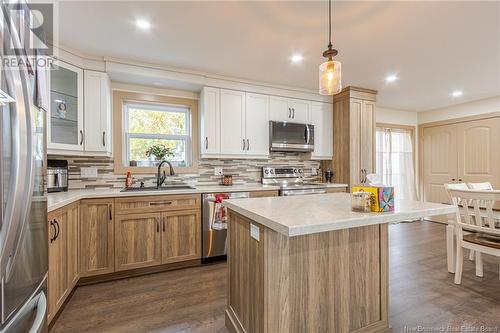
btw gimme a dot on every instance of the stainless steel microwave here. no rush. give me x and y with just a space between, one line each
285 136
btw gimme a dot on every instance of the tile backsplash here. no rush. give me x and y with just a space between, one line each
243 171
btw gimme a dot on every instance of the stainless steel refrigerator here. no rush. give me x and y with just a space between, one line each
23 229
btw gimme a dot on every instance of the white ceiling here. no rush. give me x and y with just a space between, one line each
434 47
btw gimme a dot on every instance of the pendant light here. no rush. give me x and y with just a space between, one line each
330 72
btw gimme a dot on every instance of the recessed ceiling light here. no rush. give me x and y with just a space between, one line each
296 58
391 78
457 93
143 24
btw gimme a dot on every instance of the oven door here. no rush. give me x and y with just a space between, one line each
287 193
285 136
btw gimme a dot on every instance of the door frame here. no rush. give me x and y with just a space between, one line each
421 128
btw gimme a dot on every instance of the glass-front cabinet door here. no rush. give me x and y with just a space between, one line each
65 119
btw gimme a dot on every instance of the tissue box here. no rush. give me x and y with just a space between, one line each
382 197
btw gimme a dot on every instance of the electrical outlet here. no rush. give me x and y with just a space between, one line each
88 172
218 171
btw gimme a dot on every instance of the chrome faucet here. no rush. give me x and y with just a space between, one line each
161 179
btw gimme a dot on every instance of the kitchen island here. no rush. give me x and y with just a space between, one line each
310 264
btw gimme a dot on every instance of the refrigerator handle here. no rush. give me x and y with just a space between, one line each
41 314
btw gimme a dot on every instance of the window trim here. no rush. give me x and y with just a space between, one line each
120 98
156 107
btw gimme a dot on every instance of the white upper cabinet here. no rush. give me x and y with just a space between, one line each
300 110
257 125
210 122
279 109
289 109
97 112
234 124
65 117
322 119
232 115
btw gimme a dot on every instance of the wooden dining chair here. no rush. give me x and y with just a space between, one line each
486 186
450 244
486 237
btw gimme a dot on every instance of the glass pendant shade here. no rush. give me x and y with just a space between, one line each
330 77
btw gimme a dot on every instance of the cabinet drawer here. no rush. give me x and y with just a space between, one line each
157 203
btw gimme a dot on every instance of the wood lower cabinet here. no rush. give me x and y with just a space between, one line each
262 194
137 241
336 190
63 255
97 237
181 236
154 230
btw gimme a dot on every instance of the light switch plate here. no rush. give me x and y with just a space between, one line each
255 232
218 171
90 172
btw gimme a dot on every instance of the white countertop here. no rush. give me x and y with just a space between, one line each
308 214
61 199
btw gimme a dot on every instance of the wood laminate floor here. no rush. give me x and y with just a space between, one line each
422 294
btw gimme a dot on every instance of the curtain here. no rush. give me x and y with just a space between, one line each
394 159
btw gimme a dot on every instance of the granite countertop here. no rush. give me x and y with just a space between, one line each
308 214
61 199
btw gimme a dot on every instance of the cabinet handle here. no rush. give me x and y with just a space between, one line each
104 139
293 114
53 238
459 179
158 203
453 179
56 224
243 144
110 213
81 137
163 222
248 144
158 224
206 142
289 113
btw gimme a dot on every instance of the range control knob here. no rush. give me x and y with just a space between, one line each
301 171
266 171
295 170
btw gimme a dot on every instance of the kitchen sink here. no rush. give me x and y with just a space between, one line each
154 188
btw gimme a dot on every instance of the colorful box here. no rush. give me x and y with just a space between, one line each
382 197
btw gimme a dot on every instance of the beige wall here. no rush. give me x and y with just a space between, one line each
488 105
395 117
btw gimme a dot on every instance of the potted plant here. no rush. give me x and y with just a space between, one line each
159 152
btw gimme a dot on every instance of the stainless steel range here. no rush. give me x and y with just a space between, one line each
290 180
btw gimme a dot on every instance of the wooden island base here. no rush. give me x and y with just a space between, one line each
333 281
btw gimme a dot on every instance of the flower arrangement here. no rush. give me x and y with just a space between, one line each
159 152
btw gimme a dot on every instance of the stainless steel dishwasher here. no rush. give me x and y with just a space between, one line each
214 228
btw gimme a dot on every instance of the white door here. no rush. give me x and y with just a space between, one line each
232 115
97 115
440 161
300 111
322 119
210 121
257 125
478 145
65 117
279 109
